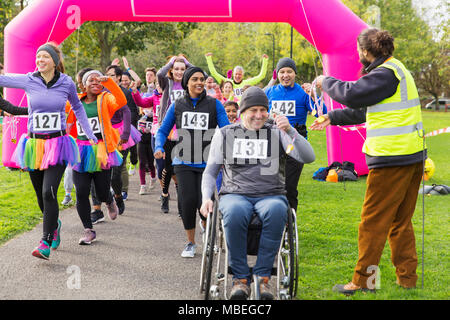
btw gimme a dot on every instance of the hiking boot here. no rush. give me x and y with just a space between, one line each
350 288
98 216
42 251
89 236
165 204
67 200
240 290
112 209
57 236
120 204
189 250
265 292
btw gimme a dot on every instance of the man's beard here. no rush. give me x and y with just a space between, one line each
365 64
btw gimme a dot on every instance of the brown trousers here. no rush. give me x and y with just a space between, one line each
387 211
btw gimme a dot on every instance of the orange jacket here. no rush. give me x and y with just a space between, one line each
107 104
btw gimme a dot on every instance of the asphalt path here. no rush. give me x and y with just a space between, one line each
135 257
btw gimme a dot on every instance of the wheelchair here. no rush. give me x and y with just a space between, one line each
216 275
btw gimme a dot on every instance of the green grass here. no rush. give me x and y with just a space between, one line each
19 210
328 224
328 219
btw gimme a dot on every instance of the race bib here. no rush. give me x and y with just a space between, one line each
46 121
284 107
250 148
238 92
195 120
157 109
94 122
175 94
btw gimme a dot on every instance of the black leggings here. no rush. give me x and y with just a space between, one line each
293 172
46 184
189 193
116 179
82 181
168 167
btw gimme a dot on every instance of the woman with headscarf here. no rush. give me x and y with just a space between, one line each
196 116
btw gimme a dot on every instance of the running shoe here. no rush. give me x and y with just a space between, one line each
165 204
97 216
132 170
120 204
143 190
67 200
112 209
42 251
57 236
124 195
152 183
189 250
89 236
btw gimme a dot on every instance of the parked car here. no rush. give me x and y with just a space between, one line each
443 102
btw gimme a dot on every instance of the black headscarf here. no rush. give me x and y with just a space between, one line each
188 74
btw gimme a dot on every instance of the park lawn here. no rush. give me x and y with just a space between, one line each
19 210
328 219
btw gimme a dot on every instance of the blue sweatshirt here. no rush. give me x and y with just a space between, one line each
169 122
301 98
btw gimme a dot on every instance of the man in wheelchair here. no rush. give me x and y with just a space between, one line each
252 154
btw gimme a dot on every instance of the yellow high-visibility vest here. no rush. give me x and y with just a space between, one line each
394 126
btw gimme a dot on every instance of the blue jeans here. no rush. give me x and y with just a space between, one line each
237 211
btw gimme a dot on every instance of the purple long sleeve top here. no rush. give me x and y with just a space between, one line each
42 99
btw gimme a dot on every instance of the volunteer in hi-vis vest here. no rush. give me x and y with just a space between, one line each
386 99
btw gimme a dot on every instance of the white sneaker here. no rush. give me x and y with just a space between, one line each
143 190
152 183
189 250
132 170
67 200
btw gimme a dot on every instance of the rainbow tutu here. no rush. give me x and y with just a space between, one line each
95 157
39 154
135 136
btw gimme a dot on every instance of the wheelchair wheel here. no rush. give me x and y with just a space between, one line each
208 257
287 261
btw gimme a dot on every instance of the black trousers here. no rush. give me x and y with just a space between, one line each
46 184
82 180
190 193
293 172
116 178
168 167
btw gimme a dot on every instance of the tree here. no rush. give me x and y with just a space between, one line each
103 39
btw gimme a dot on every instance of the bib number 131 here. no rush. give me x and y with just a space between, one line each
250 149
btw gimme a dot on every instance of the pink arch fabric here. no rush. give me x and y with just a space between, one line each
327 24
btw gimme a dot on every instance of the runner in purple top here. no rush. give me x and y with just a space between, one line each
46 149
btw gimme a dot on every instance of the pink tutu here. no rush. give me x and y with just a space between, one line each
135 135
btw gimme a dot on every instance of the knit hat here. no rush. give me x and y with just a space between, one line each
286 62
188 74
253 96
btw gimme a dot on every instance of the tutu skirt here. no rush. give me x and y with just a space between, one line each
39 154
135 136
95 158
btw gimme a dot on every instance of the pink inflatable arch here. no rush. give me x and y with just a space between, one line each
330 26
